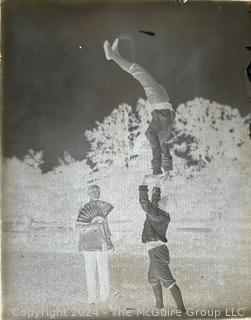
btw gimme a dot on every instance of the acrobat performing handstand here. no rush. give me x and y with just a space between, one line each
159 130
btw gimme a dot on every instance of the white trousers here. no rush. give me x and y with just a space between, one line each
96 263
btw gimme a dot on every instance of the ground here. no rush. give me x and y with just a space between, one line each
208 238
45 281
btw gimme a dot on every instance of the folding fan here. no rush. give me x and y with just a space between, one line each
93 209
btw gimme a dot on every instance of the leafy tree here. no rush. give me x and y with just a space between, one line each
66 160
203 131
111 142
206 131
34 159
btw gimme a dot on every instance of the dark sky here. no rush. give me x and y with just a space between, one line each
54 90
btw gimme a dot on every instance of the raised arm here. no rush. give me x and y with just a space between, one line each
152 210
144 201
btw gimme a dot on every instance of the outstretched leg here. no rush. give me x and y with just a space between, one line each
176 294
164 120
90 272
155 92
112 53
155 283
157 290
161 124
103 273
167 160
154 142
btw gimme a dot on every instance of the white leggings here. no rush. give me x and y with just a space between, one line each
97 260
154 91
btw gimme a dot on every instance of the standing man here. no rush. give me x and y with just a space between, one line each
94 243
159 130
154 236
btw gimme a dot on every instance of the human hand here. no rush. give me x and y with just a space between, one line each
78 227
144 181
98 219
157 183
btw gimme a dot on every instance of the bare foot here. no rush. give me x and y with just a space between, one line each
115 46
108 50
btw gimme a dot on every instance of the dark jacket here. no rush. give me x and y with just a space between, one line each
157 220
